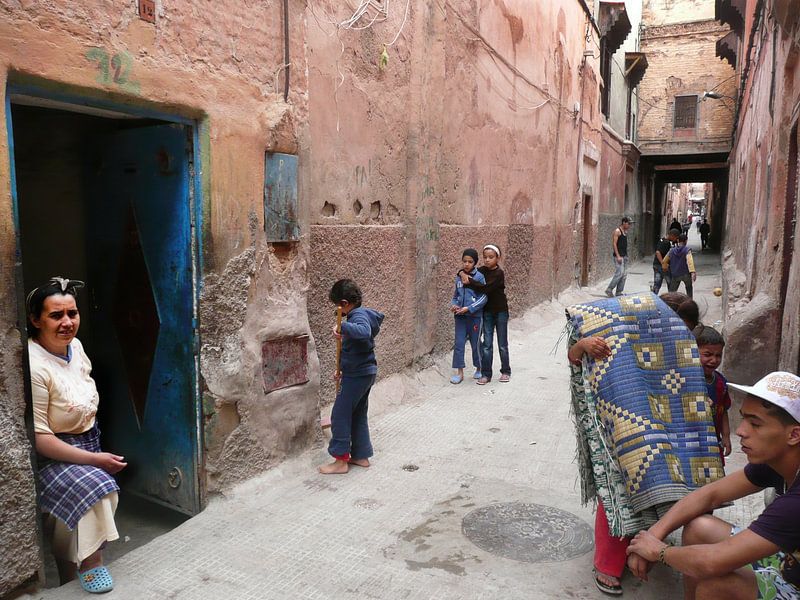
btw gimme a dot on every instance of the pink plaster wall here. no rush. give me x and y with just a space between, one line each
755 244
468 135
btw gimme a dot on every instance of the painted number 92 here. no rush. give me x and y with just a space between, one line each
114 70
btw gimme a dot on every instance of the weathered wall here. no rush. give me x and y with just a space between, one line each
210 63
682 61
758 244
670 12
436 154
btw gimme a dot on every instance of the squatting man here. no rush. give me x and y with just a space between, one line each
722 561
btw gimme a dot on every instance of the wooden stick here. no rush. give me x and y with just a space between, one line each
338 347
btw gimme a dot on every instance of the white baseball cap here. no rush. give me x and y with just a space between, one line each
780 388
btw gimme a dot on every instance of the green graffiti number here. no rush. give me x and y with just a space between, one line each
99 56
122 64
114 71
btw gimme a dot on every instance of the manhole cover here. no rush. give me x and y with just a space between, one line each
527 532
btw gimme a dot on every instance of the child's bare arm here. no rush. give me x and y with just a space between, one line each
594 346
726 434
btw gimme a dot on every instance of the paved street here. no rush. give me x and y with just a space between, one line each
395 531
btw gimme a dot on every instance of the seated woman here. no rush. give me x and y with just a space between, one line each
78 492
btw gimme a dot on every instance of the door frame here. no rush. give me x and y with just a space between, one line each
61 100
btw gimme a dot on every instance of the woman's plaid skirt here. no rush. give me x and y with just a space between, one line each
70 490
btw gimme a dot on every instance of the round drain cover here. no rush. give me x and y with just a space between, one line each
528 532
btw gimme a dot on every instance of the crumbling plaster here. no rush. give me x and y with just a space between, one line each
208 63
762 323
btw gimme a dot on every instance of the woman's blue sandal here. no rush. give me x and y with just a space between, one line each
96 581
456 379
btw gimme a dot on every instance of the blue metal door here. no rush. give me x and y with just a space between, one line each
142 311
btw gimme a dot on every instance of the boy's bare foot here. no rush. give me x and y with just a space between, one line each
360 462
337 467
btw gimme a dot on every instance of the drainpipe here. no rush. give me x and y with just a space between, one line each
285 50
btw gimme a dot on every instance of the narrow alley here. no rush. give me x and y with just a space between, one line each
445 455
223 223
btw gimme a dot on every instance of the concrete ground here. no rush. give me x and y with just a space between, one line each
395 530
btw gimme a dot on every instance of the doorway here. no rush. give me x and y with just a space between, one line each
587 235
107 197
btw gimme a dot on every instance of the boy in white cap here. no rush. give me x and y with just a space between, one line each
722 561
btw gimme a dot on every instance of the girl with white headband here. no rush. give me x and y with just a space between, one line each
495 314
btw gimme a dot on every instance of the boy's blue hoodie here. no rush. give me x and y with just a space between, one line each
678 264
358 342
472 299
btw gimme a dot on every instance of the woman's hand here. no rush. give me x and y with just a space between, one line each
111 463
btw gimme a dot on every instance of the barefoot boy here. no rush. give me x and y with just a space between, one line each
350 443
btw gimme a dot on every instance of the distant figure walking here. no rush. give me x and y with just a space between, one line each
705 230
680 265
619 245
675 225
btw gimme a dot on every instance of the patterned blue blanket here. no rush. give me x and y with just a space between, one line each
647 402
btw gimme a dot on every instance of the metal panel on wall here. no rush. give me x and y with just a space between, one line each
280 198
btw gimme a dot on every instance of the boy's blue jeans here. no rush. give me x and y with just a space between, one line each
467 327
492 321
349 426
659 277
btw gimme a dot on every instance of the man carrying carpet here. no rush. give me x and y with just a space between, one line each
723 561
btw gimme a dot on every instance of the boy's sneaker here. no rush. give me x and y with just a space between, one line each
477 375
505 378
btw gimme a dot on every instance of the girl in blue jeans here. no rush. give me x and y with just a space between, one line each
467 306
495 314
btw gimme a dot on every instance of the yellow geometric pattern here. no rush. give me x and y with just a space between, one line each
649 356
659 404
706 469
673 381
625 423
594 317
695 407
637 303
674 468
601 366
687 353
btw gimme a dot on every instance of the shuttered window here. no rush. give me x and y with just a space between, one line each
685 112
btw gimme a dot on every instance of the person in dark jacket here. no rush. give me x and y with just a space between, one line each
662 249
676 225
350 442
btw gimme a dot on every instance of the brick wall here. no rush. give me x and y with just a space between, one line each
682 61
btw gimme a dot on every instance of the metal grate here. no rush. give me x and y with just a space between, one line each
685 112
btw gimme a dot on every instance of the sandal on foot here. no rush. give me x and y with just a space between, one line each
477 375
456 379
483 381
96 581
505 378
611 590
